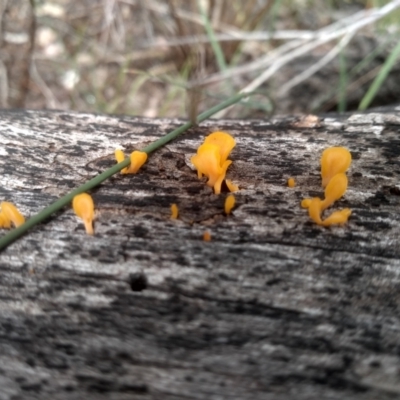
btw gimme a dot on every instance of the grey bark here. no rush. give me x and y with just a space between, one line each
273 307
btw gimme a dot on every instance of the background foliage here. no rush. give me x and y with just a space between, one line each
177 57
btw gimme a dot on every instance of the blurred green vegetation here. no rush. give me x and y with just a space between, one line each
171 59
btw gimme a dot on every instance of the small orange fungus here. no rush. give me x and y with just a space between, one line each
10 214
208 162
211 158
174 211
314 210
83 207
206 236
224 141
229 204
4 221
138 158
334 163
337 217
291 182
120 156
305 203
231 186
334 160
335 189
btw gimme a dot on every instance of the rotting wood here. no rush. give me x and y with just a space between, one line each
273 307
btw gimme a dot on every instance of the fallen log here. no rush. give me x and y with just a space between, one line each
273 307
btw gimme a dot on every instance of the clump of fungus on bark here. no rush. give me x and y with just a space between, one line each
212 161
138 158
334 163
10 215
83 207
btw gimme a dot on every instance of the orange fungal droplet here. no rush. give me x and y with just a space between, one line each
83 207
229 204
10 214
207 236
334 160
174 211
231 186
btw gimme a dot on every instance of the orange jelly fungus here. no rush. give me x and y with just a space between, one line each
305 203
229 204
314 210
206 236
10 214
291 182
83 207
231 186
138 158
120 156
208 162
337 217
4 221
335 189
334 160
211 158
224 141
174 211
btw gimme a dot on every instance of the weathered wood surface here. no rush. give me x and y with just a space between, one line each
274 307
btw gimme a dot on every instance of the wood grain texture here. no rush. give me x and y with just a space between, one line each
273 307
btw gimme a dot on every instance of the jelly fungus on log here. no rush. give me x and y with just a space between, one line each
334 160
10 214
138 158
291 182
229 204
211 158
174 211
83 207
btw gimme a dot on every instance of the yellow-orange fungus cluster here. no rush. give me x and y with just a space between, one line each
212 161
229 204
83 207
291 182
9 214
334 163
174 211
138 158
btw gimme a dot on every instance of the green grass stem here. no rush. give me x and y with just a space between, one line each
380 78
219 54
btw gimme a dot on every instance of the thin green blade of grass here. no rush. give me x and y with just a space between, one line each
331 96
16 233
275 8
219 54
380 78
376 52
